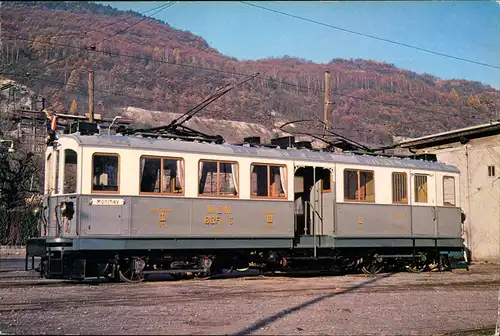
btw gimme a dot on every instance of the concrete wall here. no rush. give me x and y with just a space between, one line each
12 251
480 193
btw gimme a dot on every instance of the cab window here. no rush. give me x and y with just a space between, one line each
105 173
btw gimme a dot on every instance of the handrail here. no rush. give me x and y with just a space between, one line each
316 211
313 224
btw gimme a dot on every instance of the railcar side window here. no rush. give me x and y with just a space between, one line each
268 181
150 175
173 176
420 188
359 185
449 190
105 173
70 171
218 178
399 188
164 173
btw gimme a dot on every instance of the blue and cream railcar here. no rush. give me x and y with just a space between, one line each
127 206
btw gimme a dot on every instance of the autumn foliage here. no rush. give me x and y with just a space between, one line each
156 67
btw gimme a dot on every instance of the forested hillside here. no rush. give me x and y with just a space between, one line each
156 67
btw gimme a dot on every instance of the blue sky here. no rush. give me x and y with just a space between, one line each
466 29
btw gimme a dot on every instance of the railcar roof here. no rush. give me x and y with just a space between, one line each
118 141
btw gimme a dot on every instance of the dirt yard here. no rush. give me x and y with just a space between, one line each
458 303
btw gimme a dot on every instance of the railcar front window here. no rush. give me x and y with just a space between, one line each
58 187
449 190
268 181
359 185
218 178
421 188
105 172
70 171
48 176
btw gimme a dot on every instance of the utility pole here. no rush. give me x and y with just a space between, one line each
326 101
91 96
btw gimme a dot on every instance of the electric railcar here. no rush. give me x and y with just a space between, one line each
125 207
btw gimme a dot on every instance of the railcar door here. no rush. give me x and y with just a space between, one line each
314 201
325 200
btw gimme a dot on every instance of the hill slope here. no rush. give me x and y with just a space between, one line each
156 67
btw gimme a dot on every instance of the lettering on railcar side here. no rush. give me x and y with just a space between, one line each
219 209
218 214
107 201
162 220
161 210
269 218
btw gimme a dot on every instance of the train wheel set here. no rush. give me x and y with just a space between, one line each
138 267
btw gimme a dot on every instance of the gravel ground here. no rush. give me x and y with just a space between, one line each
395 304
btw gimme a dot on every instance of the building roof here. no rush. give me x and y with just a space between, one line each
459 135
180 146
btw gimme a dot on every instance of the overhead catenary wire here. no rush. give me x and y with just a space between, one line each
111 93
373 37
334 92
180 105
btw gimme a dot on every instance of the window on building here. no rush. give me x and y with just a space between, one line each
491 171
218 178
359 185
105 173
449 190
420 188
268 181
70 171
399 188
164 173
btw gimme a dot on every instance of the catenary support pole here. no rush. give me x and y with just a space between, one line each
91 96
327 101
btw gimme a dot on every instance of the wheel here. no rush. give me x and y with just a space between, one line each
131 271
418 265
374 266
372 269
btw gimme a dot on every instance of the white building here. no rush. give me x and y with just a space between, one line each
476 152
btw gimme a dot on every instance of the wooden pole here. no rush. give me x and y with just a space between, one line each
91 96
327 100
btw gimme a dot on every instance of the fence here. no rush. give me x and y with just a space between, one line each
18 224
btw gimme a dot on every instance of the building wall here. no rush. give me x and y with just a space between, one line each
480 193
